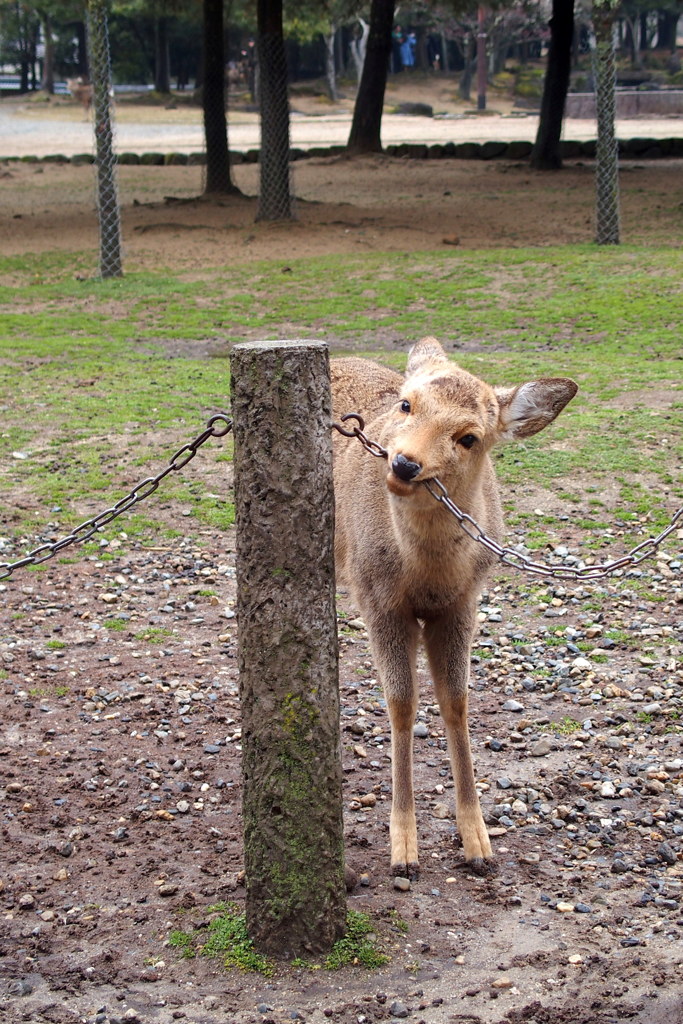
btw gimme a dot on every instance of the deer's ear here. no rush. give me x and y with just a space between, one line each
528 408
425 352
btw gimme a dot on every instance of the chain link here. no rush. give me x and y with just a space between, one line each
218 426
507 555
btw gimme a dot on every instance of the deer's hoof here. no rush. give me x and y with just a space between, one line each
481 866
410 871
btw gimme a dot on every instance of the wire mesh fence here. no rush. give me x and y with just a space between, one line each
108 209
607 146
275 199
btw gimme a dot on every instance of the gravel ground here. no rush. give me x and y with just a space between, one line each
120 798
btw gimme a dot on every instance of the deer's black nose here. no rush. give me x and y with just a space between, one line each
404 468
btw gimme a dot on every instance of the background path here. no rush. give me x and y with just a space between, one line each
33 133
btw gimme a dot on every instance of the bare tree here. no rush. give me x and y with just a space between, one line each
218 178
274 196
545 155
365 135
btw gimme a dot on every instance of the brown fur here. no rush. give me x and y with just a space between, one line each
81 91
413 572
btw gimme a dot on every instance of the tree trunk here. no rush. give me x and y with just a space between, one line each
358 48
481 59
667 23
545 155
365 135
445 64
288 661
330 71
274 191
607 147
162 61
465 83
48 82
218 179
108 209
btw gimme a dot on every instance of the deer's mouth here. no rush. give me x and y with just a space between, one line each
402 488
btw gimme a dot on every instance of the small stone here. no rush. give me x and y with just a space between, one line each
608 790
502 983
368 800
513 705
565 908
350 878
582 908
402 884
20 987
26 902
667 854
575 959
620 867
441 811
168 889
359 751
541 749
399 1009
421 731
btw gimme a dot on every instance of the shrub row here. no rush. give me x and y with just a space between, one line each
646 149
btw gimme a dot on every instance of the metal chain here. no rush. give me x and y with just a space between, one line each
508 555
141 491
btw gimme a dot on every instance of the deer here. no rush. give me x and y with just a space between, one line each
82 92
413 573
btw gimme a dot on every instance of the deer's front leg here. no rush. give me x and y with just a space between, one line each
393 639
448 643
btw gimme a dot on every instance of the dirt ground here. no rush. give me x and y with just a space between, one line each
120 747
372 204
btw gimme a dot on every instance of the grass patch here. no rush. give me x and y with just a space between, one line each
226 937
358 947
154 634
565 727
96 404
117 625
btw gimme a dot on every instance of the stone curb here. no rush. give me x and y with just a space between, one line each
644 149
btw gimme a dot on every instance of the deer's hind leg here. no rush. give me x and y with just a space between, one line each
448 642
394 639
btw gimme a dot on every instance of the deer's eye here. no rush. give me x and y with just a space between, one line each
467 440
405 405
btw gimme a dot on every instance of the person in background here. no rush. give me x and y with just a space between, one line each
408 50
396 40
